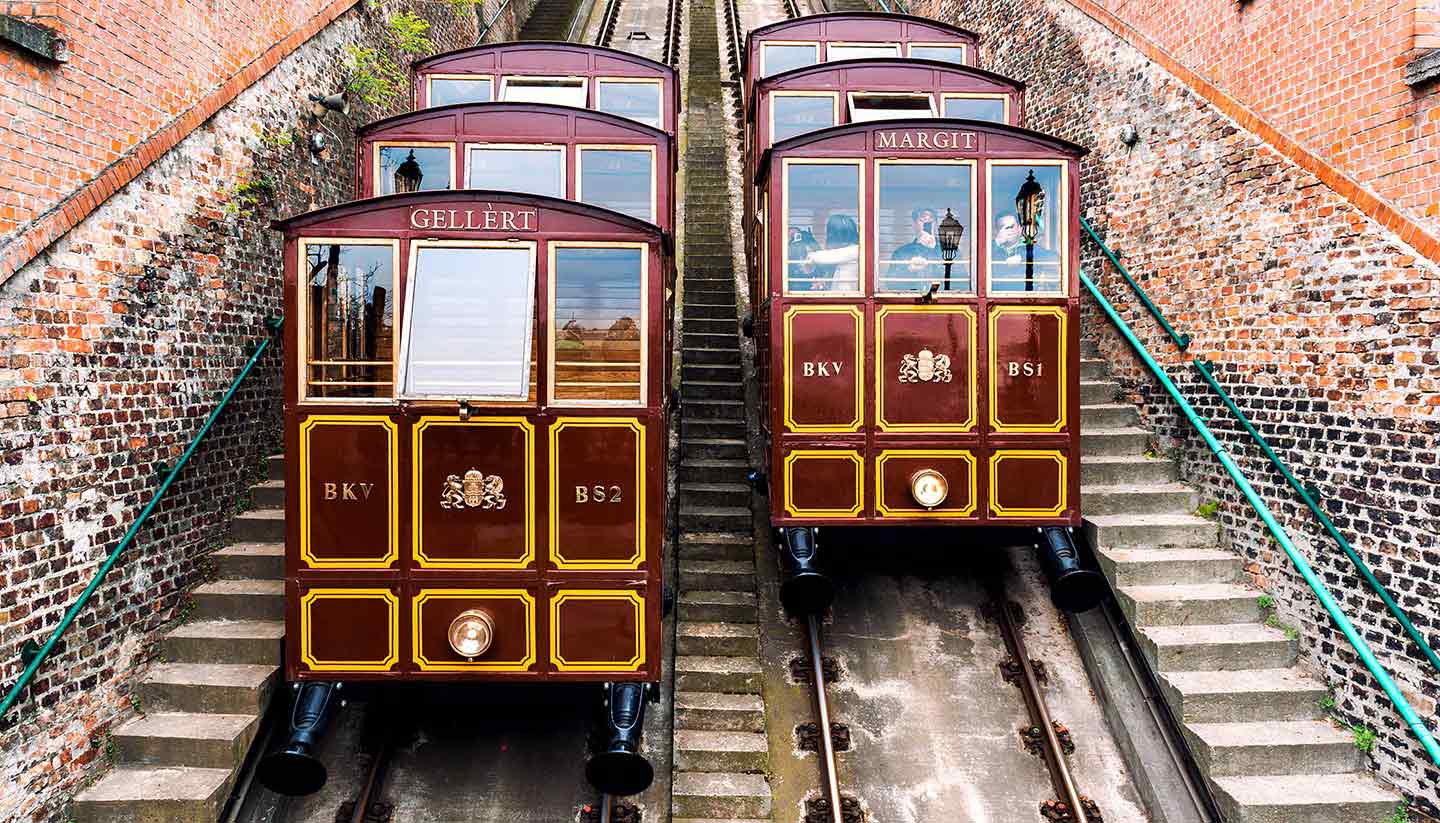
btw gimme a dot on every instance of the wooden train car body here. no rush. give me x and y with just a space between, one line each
881 362
557 151
475 409
567 74
827 38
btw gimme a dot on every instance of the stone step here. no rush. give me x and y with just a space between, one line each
268 495
710 325
730 373
697 355
706 428
723 607
728 675
717 546
1272 747
1167 498
717 576
1252 694
718 795
250 561
714 470
1150 531
1207 604
258 526
217 688
1094 368
706 340
207 741
1217 648
712 311
716 639
720 751
1311 798
729 495
154 795
714 518
1147 567
275 467
1130 468
712 390
1093 392
253 642
701 408
713 711
713 448
1114 442
1109 416
240 600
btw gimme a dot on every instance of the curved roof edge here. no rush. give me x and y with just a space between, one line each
528 44
840 15
613 119
877 62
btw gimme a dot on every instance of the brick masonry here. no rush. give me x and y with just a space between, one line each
1322 322
115 342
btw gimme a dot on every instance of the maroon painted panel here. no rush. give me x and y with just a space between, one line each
515 642
1028 368
823 369
896 467
822 483
347 493
596 629
471 507
1028 484
927 368
356 627
598 507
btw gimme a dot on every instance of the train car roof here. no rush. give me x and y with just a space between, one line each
780 25
499 108
442 58
769 82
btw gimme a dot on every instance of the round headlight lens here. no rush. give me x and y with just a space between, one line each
472 632
929 488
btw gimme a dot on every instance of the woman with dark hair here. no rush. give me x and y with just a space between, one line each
842 250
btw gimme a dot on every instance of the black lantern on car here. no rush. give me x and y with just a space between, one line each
408 175
1030 208
950 233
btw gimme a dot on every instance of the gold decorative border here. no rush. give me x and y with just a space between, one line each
418 544
635 661
393 514
970 377
965 454
638 558
1000 455
1062 421
315 665
427 665
851 455
854 425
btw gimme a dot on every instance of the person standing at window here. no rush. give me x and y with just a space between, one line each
842 250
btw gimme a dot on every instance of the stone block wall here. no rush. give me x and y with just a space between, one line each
1323 324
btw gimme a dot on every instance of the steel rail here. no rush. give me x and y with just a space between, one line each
609 18
374 778
822 705
1035 702
671 54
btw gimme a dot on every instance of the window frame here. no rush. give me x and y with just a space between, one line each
862 44
766 44
907 95
414 144
965 56
973 163
302 301
648 148
581 79
635 81
552 247
946 96
403 351
1064 235
862 226
776 95
560 148
430 88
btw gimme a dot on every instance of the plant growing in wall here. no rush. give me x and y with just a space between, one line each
375 75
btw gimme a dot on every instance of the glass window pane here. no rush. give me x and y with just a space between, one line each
945 54
413 168
599 349
350 331
822 223
554 90
1017 266
530 171
886 107
801 114
617 179
775 58
868 51
637 101
447 90
989 109
471 318
914 200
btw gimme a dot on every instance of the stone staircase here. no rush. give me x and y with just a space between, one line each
202 705
1252 718
549 20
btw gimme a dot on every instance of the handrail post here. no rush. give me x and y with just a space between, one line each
1182 341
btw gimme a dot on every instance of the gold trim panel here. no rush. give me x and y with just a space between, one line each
392 606
966 425
393 513
426 665
1000 455
527 559
1062 422
636 660
635 560
859 360
850 455
970 478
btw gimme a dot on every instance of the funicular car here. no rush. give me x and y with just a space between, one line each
828 38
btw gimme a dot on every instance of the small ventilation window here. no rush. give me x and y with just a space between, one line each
561 91
867 107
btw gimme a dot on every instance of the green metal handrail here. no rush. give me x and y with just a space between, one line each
490 24
1276 530
1181 340
34 656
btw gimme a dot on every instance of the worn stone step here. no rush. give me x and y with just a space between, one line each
217 688
207 741
154 795
1114 442
698 356
717 639
1304 798
713 711
714 409
240 600
730 373
710 325
717 546
1150 530
1109 416
253 642
728 675
250 561
713 607
714 470
1094 368
717 576
1273 747
713 448
714 518
269 494
712 390
712 428
699 750
1129 468
275 467
1167 498
710 340
1146 567
1225 647
727 495
258 526
1251 694
718 795
714 311
1207 604
1094 392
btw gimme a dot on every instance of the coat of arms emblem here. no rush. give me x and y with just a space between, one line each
925 367
475 489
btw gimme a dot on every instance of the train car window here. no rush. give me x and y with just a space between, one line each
912 199
793 113
622 179
778 57
468 321
941 52
561 91
1021 265
515 167
992 108
860 51
823 226
348 298
639 100
408 167
449 89
597 323
866 107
